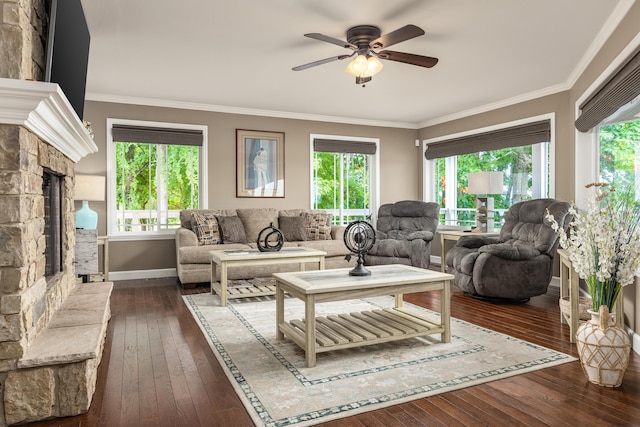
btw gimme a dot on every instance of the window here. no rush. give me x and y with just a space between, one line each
521 150
522 167
344 177
619 153
155 170
607 116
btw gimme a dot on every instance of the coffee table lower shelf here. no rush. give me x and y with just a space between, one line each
340 331
244 291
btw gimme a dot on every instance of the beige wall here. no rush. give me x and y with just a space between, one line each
563 105
399 166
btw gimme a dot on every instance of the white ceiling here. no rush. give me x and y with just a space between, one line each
236 55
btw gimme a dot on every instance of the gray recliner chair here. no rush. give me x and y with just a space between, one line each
519 264
404 231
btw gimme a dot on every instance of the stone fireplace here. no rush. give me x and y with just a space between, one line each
51 329
40 140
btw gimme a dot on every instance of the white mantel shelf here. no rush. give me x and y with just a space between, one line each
44 109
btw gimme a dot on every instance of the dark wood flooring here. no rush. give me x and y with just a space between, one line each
158 370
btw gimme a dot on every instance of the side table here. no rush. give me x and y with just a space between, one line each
104 241
455 235
86 253
569 282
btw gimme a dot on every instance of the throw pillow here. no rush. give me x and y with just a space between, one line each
256 219
318 226
206 228
294 228
232 229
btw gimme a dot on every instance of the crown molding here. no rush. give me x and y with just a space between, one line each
43 108
609 27
150 102
496 105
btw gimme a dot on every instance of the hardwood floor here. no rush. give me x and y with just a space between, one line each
158 370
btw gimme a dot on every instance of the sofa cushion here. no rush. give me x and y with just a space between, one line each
205 226
232 229
318 226
255 220
292 212
294 228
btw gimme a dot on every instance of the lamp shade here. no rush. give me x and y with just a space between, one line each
90 188
485 183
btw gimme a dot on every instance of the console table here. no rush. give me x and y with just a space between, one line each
569 282
104 242
86 253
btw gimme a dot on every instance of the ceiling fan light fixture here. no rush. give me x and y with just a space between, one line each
363 67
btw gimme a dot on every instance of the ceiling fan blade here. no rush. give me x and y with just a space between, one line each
320 62
401 34
408 58
323 38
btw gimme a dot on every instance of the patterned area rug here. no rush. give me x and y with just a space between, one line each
278 389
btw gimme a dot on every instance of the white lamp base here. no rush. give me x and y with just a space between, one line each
86 217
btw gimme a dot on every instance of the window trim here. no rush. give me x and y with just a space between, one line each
375 167
428 166
111 178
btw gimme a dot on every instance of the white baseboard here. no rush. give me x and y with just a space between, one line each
635 342
143 274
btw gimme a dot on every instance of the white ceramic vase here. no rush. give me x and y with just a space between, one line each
603 348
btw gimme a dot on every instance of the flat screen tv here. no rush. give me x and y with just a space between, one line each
68 50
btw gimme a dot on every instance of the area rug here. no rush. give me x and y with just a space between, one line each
278 389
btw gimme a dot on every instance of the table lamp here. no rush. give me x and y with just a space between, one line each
88 188
485 183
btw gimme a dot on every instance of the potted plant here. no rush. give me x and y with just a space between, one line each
603 245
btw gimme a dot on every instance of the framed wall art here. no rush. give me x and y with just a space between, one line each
259 163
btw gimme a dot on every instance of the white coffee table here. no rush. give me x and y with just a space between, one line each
316 335
224 259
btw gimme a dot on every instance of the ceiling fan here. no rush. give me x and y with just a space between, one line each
365 40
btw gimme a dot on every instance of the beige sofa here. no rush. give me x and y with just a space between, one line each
204 230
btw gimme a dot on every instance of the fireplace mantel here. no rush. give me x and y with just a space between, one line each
44 109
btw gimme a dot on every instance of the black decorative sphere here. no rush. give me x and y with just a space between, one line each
270 239
359 237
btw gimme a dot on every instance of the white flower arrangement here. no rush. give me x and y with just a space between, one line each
603 244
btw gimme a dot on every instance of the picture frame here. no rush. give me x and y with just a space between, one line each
259 163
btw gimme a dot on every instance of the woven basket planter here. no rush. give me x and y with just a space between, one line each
603 348
584 305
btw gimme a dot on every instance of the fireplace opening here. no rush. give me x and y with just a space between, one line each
52 191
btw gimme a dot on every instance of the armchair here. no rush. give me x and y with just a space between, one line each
404 231
519 264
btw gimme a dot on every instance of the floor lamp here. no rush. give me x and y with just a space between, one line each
89 188
484 184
